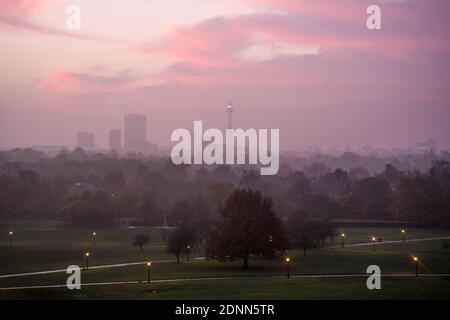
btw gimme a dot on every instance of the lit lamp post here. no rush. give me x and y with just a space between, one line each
87 254
188 249
416 263
288 269
373 241
11 235
343 237
403 235
149 265
93 237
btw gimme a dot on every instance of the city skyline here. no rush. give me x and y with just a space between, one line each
311 69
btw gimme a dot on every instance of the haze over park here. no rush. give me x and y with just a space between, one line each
245 150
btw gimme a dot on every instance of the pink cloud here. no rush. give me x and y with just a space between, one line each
96 80
209 43
210 47
20 15
23 7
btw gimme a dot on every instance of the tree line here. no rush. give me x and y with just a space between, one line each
104 190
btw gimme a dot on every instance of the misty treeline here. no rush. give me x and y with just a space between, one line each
98 189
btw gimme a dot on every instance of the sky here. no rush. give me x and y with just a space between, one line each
310 68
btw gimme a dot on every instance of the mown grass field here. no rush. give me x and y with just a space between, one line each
52 245
253 289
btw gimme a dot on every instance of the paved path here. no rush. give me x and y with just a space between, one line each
90 268
387 242
202 258
356 275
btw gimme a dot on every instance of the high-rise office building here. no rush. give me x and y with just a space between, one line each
115 139
86 140
135 132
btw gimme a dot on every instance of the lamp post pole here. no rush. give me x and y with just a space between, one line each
11 234
149 265
288 269
416 264
87 260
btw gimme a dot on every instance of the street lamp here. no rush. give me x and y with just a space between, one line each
343 237
93 237
288 270
11 235
188 248
403 235
416 263
87 254
373 245
149 265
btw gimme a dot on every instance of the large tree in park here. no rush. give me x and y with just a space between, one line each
424 197
182 240
306 233
247 226
411 201
372 197
141 240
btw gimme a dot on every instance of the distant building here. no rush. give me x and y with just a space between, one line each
135 133
86 140
115 139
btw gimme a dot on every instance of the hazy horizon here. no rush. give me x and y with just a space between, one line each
310 68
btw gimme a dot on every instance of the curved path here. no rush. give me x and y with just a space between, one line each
91 268
202 258
356 275
387 242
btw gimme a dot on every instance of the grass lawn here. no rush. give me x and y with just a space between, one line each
265 288
52 245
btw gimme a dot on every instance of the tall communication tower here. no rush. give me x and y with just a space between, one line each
230 110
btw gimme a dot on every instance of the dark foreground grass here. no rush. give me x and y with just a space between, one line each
391 258
52 245
264 288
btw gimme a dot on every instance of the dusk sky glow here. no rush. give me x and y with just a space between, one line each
310 68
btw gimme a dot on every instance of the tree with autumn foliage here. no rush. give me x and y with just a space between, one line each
247 226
